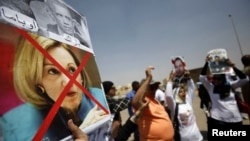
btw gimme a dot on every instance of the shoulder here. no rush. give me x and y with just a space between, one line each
131 92
21 122
159 92
24 110
247 70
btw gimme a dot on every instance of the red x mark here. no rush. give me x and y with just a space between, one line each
46 123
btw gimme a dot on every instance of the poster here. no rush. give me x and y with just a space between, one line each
218 61
178 65
47 76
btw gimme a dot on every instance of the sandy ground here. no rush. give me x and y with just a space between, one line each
200 118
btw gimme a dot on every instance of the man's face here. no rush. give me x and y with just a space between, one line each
179 68
63 19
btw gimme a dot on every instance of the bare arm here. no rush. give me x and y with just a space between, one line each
134 118
169 94
138 99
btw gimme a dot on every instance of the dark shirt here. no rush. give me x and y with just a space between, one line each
117 105
126 130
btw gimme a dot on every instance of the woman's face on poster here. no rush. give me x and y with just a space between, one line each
54 80
179 68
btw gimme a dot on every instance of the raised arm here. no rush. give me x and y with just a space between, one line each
243 79
169 94
138 99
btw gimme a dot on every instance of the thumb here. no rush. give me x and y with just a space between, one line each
77 132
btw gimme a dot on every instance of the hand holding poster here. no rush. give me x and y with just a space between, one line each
218 61
45 81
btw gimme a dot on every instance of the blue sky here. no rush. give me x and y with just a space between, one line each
129 35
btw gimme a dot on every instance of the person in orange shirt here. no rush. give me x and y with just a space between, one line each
154 118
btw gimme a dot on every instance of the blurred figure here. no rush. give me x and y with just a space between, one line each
205 101
224 110
115 107
130 95
124 132
184 119
154 123
245 89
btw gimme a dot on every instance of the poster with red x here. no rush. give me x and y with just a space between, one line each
48 74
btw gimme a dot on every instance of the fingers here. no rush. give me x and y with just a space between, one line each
149 70
101 112
95 108
77 132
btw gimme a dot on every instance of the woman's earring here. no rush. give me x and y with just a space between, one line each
40 89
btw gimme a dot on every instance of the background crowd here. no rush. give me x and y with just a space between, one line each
175 114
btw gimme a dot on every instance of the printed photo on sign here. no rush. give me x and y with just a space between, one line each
45 83
18 13
50 18
179 65
217 61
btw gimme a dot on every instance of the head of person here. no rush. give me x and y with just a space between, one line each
245 59
179 66
153 86
181 94
61 14
135 85
109 88
216 58
39 81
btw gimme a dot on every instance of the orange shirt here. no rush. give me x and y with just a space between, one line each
154 123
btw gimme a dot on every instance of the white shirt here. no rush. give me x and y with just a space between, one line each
189 130
160 96
224 109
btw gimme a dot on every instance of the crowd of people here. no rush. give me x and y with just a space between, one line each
179 123
154 114
151 109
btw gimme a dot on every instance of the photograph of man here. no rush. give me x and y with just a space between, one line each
56 18
66 24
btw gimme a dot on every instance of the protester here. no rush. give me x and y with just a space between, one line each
181 77
131 124
130 95
224 110
154 123
115 107
124 132
161 97
205 102
182 99
245 89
